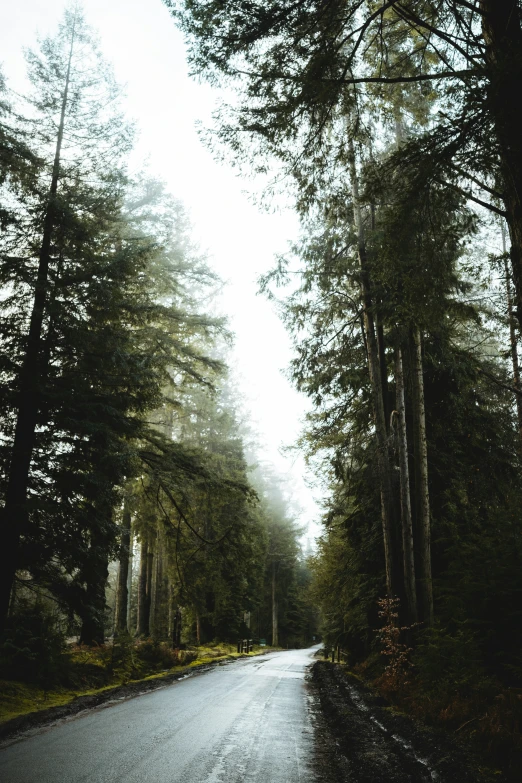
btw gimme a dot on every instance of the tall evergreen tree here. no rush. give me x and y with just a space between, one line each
77 136
295 65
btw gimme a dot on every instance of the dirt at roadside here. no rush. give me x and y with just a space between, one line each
360 740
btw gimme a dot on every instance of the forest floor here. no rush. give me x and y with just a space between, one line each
372 742
92 676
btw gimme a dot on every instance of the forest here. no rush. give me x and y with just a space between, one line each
135 505
392 127
135 509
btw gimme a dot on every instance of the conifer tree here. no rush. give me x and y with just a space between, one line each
77 136
294 66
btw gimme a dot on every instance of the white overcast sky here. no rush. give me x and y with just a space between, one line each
147 52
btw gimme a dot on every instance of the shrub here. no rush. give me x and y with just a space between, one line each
397 671
156 655
33 645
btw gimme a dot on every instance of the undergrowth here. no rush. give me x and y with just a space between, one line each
38 669
438 676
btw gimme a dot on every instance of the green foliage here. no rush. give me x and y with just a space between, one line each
122 333
449 661
33 646
347 581
301 622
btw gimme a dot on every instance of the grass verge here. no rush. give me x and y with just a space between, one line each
99 672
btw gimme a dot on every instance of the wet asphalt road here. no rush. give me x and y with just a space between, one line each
243 721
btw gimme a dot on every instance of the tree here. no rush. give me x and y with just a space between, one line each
17 160
218 539
122 595
103 270
133 345
296 64
70 118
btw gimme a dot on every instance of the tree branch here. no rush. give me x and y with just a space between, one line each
500 383
471 197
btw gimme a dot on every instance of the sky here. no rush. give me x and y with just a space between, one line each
147 52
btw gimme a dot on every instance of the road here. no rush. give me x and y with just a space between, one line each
243 721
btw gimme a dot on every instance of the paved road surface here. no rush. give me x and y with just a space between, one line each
243 721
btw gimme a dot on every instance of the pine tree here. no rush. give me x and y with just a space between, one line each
77 136
296 67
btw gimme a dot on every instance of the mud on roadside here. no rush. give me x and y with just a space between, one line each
361 741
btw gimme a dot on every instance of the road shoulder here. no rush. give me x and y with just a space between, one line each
368 742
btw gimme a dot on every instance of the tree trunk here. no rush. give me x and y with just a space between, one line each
407 525
374 368
148 598
154 584
13 519
275 628
513 336
421 443
143 621
96 573
381 348
502 33
129 580
176 629
158 613
122 595
170 609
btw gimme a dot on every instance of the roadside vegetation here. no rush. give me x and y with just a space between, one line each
33 685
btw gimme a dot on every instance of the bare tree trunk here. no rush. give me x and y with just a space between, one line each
374 369
176 628
512 334
407 525
143 624
275 628
502 32
424 527
170 611
154 588
148 597
160 620
13 518
129 579
198 629
381 348
122 594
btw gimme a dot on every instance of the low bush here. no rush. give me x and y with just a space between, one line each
33 647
